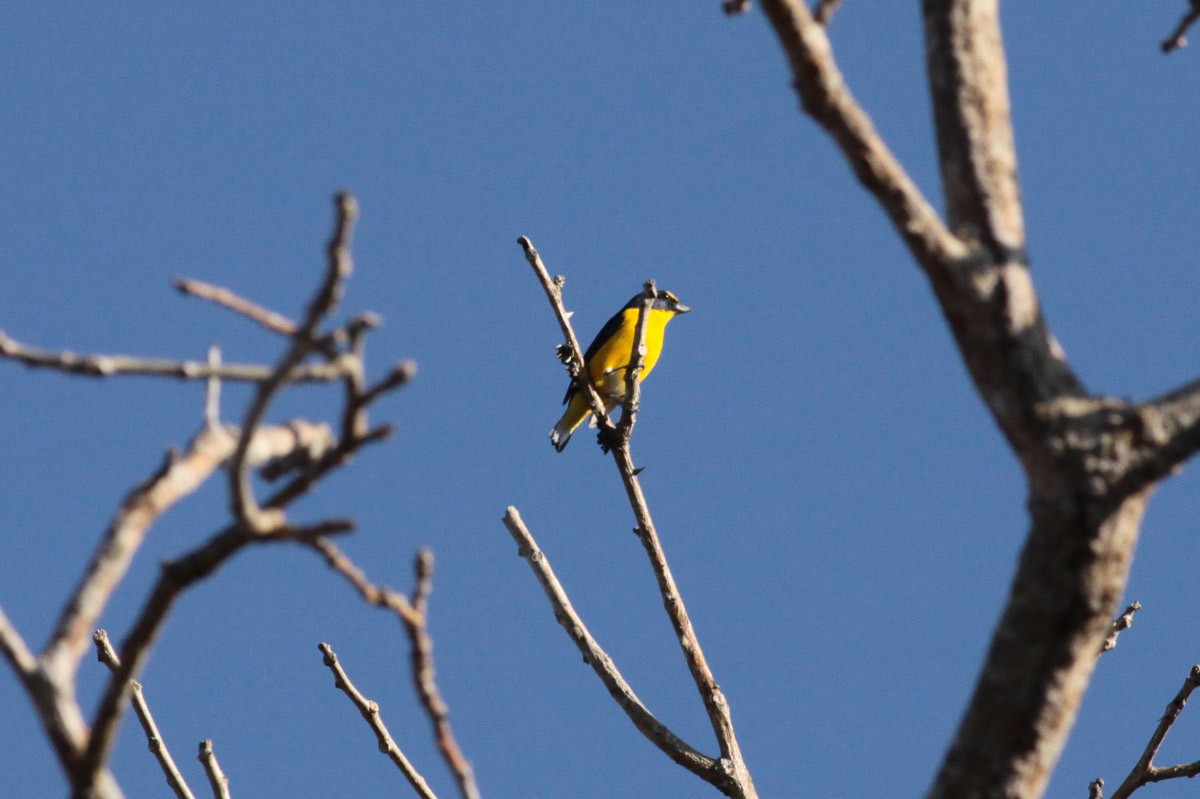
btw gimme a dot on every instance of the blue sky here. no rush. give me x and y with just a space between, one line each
840 512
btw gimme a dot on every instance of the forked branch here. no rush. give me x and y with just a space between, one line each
413 613
1144 771
594 655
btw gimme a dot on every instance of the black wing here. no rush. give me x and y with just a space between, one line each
608 331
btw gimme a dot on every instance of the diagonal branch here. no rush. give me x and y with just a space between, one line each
216 777
370 712
55 702
1120 625
219 295
1165 433
594 655
825 96
574 360
158 747
1178 37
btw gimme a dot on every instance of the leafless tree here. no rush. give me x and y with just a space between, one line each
1091 462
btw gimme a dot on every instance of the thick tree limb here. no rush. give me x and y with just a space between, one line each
158 747
735 776
594 655
370 713
1081 454
216 777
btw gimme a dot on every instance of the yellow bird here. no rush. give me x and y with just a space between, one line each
608 356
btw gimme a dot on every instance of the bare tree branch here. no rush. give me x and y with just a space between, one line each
1096 789
637 362
370 712
622 693
216 777
1144 770
14 649
425 677
1119 625
735 777
823 13
574 353
413 614
243 504
212 394
116 365
1077 450
825 97
178 477
55 702
158 747
272 321
253 523
1178 37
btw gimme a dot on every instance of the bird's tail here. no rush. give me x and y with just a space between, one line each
577 411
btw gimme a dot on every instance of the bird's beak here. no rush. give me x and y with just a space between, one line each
681 308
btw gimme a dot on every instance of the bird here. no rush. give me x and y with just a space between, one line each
607 357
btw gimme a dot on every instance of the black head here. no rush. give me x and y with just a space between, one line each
665 301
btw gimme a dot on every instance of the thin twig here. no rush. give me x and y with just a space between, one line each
216 777
244 506
158 747
212 396
413 614
1144 770
735 779
272 321
594 655
574 360
1178 37
424 678
636 363
122 365
823 13
1119 625
370 712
